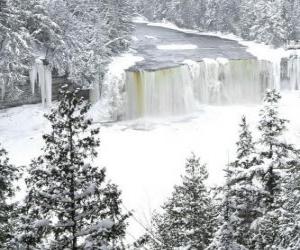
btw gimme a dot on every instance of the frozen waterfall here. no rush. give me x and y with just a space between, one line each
293 73
182 89
42 75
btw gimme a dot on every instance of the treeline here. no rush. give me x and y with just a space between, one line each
257 208
75 37
69 204
268 21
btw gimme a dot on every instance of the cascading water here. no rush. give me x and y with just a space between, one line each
163 92
293 73
181 89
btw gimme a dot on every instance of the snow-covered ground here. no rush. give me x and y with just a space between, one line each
146 157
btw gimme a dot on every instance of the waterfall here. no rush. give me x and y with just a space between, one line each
293 73
182 89
164 92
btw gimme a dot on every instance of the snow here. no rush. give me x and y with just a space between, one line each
151 37
112 91
169 25
146 157
177 47
139 19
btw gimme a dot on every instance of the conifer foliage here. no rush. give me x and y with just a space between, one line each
188 218
242 188
224 238
75 207
278 160
8 175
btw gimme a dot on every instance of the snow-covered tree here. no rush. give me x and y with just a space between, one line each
268 21
224 238
289 228
15 50
278 158
44 33
187 220
92 31
26 234
9 174
274 151
76 208
244 193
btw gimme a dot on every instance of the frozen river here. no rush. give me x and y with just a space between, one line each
162 47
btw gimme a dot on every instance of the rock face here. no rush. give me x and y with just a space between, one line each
23 94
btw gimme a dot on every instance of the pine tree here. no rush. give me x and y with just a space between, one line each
45 34
278 157
274 152
27 235
15 51
76 207
244 192
224 238
188 217
289 228
8 175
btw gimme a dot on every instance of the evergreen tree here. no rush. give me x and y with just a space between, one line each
274 151
278 157
27 235
15 50
76 208
244 192
224 238
8 175
289 228
188 218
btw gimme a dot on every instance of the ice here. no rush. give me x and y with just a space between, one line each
43 75
182 89
112 95
177 47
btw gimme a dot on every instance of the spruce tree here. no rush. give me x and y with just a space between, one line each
277 158
289 227
224 238
244 192
8 175
76 208
275 152
188 216
15 50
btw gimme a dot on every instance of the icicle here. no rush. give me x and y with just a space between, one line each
33 78
45 82
48 86
2 83
95 93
